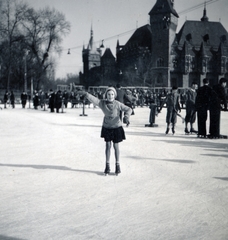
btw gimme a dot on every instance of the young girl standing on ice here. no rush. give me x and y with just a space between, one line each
112 130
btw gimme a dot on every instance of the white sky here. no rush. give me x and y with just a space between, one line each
112 18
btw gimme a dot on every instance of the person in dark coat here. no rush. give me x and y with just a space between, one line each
51 100
6 97
12 99
58 101
190 117
218 103
203 99
36 100
65 98
24 98
173 107
153 111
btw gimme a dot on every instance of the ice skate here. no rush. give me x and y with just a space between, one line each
186 131
173 130
192 130
107 169
167 131
117 169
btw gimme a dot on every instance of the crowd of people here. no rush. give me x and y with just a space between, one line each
197 102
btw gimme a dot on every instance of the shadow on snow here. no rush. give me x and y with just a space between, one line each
52 167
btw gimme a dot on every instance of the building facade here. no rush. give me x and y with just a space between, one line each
157 56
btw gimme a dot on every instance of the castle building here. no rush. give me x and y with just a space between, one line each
157 56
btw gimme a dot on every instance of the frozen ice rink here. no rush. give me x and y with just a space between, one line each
53 187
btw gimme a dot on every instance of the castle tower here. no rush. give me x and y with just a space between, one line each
91 57
163 21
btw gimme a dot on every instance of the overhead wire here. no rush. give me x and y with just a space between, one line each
129 31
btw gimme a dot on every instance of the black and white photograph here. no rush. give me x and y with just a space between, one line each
113 120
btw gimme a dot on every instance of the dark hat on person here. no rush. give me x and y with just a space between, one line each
205 80
174 87
118 85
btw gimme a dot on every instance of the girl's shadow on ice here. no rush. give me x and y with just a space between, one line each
51 167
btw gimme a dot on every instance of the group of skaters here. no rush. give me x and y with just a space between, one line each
199 102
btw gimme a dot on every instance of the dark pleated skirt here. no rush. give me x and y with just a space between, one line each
113 134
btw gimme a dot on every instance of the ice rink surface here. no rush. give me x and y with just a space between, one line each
171 187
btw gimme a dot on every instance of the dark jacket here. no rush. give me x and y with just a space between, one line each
203 98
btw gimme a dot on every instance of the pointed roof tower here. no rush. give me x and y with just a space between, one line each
108 54
90 44
164 6
204 18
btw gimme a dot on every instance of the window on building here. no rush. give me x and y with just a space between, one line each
160 62
206 38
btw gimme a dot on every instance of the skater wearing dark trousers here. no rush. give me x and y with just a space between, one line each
65 98
36 100
112 130
190 117
173 107
58 101
202 104
51 101
12 99
218 102
24 98
6 97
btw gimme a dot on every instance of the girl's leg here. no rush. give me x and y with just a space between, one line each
117 155
107 154
117 152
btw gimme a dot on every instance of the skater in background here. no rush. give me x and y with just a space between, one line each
12 99
190 117
65 98
24 98
153 111
173 107
129 100
36 100
112 130
58 100
6 97
217 103
202 104
51 101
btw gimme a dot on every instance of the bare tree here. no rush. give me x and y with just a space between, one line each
12 13
44 31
